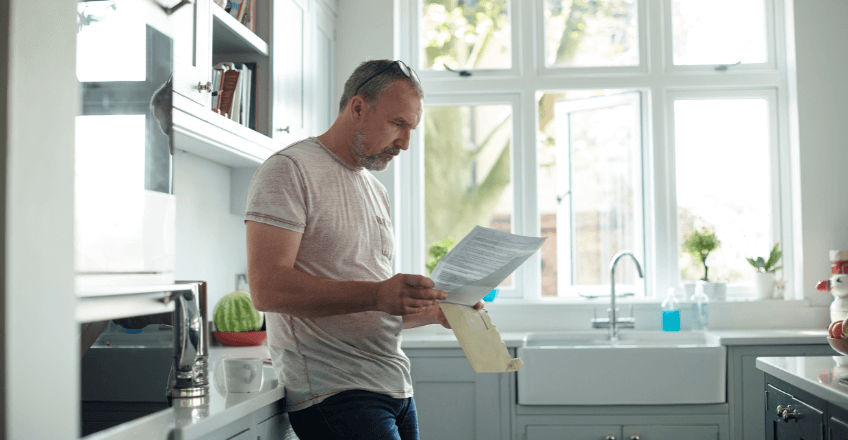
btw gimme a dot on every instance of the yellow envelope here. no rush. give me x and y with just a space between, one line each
480 340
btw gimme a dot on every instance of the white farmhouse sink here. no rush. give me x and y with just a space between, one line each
642 368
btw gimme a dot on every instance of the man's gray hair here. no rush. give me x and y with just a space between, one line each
373 90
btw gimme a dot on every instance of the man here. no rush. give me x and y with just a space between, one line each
320 249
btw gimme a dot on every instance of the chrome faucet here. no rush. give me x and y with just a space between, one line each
613 322
189 373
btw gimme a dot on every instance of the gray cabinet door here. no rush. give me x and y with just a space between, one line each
455 402
745 384
573 432
275 428
645 432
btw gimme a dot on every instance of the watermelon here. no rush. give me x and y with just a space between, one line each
235 313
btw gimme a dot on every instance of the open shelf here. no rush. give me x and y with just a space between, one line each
230 36
207 134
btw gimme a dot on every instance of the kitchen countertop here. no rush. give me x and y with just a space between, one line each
216 411
726 338
222 408
819 375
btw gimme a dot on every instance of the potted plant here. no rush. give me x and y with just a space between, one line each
699 243
764 277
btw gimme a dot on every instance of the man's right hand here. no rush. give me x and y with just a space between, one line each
406 294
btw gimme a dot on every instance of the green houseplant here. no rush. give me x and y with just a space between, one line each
699 243
768 266
764 277
437 251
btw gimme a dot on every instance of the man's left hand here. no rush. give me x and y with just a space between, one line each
440 315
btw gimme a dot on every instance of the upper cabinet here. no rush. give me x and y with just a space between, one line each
280 85
192 54
289 68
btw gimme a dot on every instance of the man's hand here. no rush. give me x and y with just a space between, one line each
407 294
443 320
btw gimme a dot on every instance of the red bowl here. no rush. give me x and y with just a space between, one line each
240 339
840 345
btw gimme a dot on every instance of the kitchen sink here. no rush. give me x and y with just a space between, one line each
641 368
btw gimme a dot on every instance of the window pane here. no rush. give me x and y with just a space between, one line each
719 31
467 171
590 190
724 183
465 34
591 33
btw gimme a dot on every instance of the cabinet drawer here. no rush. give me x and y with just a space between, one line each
573 432
807 422
671 432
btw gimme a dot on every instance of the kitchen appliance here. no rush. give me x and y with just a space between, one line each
125 210
140 365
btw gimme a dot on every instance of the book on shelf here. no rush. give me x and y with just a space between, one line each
234 94
229 82
249 17
235 8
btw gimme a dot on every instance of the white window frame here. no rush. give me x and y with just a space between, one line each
778 154
415 54
412 255
656 83
773 10
539 26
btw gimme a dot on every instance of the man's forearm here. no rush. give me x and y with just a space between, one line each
288 290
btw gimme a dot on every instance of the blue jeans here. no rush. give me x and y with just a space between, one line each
357 414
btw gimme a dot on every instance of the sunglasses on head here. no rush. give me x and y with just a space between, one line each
404 69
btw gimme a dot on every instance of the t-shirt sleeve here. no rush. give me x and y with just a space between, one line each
277 195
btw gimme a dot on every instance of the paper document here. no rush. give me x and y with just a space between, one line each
480 262
475 266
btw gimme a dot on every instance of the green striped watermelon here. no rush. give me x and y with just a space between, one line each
235 313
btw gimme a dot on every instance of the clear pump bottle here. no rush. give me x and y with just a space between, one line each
700 309
671 312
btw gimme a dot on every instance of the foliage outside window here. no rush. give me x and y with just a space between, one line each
466 34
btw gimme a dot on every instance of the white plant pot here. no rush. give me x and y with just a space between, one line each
716 292
764 283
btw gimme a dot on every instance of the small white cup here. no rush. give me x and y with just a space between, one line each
243 375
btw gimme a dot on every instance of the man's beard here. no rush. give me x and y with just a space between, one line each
374 162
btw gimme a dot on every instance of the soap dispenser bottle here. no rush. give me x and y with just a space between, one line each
671 312
700 309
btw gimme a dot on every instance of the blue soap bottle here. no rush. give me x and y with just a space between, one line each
671 312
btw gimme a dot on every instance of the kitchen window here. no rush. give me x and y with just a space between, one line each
620 125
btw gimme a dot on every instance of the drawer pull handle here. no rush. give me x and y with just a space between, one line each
201 87
635 437
787 416
610 437
284 129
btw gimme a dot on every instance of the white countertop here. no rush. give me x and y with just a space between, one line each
819 375
222 408
726 337
218 410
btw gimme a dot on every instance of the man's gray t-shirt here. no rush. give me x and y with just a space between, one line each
343 214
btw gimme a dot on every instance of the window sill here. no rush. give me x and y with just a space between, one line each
572 314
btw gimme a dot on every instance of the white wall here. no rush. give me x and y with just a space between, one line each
822 104
211 243
365 31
